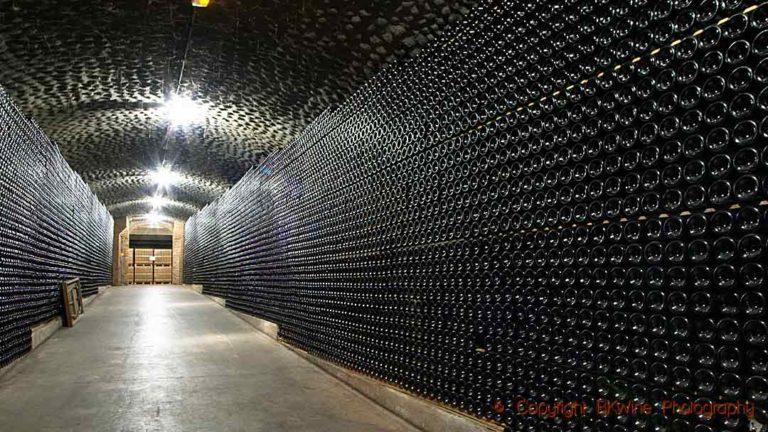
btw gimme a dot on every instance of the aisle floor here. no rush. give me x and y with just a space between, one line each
162 358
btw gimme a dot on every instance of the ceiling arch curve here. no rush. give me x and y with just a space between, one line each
171 208
96 75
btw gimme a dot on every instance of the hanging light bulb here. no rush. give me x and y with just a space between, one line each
183 111
164 177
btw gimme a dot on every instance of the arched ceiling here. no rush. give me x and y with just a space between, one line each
95 75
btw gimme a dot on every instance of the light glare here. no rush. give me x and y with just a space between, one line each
164 177
154 218
183 111
157 201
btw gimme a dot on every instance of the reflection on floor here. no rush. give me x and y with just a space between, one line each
164 358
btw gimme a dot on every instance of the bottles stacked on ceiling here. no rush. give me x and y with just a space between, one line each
556 201
52 228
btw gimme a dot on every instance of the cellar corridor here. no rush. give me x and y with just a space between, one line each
358 215
165 358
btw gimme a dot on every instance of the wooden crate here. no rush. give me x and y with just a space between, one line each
72 296
143 273
142 256
129 275
163 256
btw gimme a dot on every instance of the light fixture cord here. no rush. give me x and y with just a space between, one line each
187 45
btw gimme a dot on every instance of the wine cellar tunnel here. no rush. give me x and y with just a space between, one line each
437 215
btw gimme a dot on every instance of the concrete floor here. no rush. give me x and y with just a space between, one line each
155 358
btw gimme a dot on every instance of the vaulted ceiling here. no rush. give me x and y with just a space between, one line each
96 74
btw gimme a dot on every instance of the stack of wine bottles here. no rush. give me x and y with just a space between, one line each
52 228
557 200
